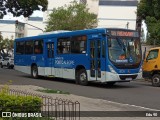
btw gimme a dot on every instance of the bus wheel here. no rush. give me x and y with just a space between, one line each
1 65
8 66
34 72
156 80
82 77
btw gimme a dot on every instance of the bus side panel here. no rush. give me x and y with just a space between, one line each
66 64
20 64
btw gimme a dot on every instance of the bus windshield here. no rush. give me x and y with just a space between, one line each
124 52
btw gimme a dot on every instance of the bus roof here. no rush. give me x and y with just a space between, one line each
62 33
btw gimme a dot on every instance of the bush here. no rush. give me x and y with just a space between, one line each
13 103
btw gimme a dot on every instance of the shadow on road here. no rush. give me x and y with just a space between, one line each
121 85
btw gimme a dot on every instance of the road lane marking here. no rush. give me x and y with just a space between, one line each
134 106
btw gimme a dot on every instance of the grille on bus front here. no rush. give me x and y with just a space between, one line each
123 77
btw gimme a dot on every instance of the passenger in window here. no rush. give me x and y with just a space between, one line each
65 50
37 50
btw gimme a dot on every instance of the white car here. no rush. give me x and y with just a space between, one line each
7 61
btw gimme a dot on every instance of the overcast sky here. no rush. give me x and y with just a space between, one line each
9 16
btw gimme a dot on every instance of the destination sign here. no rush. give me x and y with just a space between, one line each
124 33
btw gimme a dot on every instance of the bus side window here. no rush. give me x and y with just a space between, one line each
29 47
38 47
20 47
60 47
50 50
78 44
64 45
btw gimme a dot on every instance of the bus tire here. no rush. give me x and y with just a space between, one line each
1 65
77 78
82 77
156 80
34 72
8 65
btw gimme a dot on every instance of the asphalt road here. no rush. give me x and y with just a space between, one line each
137 93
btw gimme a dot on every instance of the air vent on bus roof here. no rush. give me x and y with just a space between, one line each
53 32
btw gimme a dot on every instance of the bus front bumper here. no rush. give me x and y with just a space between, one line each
122 77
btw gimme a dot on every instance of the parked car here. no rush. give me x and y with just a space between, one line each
8 62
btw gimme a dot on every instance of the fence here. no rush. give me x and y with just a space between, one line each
56 109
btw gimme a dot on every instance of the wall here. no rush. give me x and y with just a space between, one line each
7 28
117 13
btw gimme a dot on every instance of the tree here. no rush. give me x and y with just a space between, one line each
5 45
2 44
21 7
9 45
149 10
75 16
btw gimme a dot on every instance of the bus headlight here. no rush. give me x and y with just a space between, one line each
111 69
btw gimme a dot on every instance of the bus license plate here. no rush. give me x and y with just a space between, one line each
128 78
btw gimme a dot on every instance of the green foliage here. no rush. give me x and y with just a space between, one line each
22 7
6 44
52 91
13 103
149 10
72 17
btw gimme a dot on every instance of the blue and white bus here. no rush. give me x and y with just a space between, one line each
100 55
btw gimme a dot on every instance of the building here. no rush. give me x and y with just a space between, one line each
117 13
9 29
111 13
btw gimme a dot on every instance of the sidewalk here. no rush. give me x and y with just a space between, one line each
89 104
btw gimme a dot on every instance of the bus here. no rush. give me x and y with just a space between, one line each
106 55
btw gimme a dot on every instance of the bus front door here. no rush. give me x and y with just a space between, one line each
96 59
50 59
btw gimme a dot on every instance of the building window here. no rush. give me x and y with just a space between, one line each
83 1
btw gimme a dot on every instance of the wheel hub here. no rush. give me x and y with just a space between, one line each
83 77
34 73
156 80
